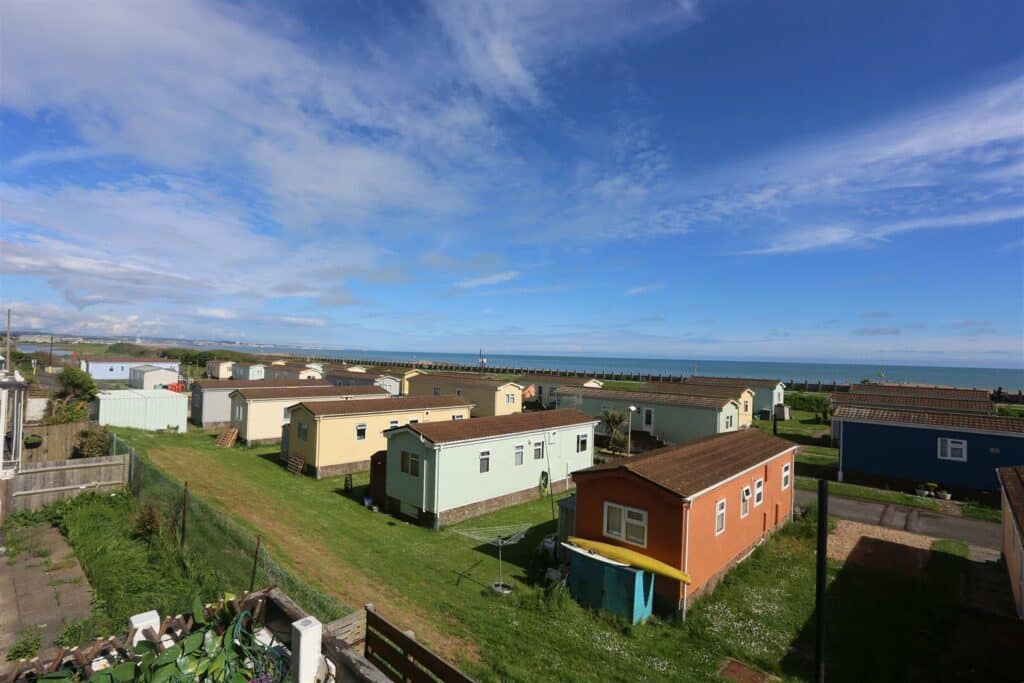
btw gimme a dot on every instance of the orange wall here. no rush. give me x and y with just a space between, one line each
708 553
664 519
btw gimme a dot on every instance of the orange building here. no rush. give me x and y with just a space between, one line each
700 506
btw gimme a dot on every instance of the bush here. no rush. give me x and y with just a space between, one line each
75 383
811 403
26 646
66 411
93 443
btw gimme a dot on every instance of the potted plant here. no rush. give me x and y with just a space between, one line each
945 495
33 441
921 490
931 487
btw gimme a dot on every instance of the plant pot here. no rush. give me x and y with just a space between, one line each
945 495
921 492
33 441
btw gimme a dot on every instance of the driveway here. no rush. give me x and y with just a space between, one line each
974 532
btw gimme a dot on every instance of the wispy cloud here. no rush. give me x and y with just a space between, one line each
642 289
877 331
487 280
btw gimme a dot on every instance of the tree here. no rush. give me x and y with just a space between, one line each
65 410
76 384
613 421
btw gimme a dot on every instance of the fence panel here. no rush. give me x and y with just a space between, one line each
59 441
41 483
401 658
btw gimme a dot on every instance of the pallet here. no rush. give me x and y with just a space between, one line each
296 463
228 437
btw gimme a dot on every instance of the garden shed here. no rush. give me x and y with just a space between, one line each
150 409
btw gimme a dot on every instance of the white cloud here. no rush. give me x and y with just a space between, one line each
217 313
642 289
811 238
486 280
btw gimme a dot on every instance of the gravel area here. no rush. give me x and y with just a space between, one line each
880 548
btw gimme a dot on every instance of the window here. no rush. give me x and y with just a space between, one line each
581 443
412 422
437 391
745 501
720 517
410 464
746 406
360 432
538 450
728 421
303 431
952 449
648 417
238 413
458 392
758 492
485 461
392 424
626 523
510 399
785 476
540 391
456 417
519 455
284 413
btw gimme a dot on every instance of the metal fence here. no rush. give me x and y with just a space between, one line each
214 544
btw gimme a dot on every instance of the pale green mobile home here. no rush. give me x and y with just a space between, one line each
671 418
443 472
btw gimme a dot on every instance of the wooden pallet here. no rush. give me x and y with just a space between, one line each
228 437
296 463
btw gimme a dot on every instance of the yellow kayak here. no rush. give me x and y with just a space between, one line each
632 558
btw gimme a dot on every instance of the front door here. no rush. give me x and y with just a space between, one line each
648 419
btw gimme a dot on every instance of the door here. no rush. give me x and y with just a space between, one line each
648 419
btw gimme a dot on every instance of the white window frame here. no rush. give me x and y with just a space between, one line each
746 406
407 461
945 449
728 421
519 454
758 492
456 417
361 425
584 440
720 515
286 416
786 471
510 399
619 534
745 495
485 462
392 424
538 455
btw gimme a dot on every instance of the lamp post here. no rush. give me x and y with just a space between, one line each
629 432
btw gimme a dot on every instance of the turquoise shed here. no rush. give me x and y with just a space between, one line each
600 584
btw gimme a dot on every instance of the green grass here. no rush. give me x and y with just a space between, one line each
950 547
977 511
869 493
622 385
435 583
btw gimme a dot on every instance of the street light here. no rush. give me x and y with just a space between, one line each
629 432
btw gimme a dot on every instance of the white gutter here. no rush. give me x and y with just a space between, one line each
741 473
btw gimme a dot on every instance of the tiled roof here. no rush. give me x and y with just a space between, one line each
751 382
255 393
982 423
447 431
920 390
553 379
459 378
148 368
264 383
1012 480
734 392
337 372
690 400
689 468
954 405
384 405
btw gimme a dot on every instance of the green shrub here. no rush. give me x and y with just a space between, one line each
93 442
26 646
806 401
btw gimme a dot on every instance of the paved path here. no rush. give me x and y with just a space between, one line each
974 532
43 587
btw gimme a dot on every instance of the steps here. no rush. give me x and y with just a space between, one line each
228 437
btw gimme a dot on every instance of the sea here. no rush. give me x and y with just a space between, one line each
1010 379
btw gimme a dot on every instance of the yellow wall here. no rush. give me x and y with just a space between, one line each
262 419
489 401
746 403
332 439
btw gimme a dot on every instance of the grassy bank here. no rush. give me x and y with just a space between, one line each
436 584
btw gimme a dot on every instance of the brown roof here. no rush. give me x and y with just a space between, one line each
687 469
686 389
953 405
384 405
983 423
265 383
254 393
1012 480
338 372
693 401
920 390
460 378
734 381
553 379
447 431
129 359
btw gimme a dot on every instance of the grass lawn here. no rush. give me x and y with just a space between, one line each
622 385
436 584
976 511
869 493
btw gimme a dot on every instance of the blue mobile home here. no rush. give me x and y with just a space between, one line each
121 368
955 450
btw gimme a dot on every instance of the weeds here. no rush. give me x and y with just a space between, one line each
26 646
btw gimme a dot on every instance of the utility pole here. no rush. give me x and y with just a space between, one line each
7 355
50 362
821 576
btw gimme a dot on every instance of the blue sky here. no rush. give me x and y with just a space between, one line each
742 180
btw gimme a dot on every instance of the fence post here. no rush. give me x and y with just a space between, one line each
184 514
255 561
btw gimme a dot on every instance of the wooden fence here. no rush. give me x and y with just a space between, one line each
59 442
401 658
39 484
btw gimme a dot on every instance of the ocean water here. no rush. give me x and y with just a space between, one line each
843 373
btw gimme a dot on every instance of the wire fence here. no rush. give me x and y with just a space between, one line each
219 552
